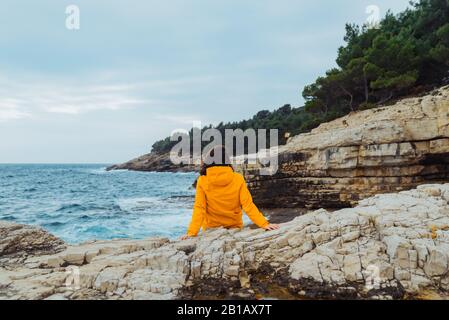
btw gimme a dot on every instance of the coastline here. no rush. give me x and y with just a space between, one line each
317 255
82 202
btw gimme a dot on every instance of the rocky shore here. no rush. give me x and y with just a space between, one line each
390 246
381 150
153 162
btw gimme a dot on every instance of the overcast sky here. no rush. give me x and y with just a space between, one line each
136 70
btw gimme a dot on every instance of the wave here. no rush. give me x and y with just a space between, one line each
189 196
88 206
139 204
69 206
97 171
54 224
79 203
8 217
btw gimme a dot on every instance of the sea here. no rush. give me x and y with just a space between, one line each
81 202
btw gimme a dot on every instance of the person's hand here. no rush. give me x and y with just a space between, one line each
271 227
185 237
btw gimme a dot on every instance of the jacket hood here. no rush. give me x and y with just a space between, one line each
219 176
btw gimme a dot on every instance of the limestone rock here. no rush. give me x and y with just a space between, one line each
159 162
18 238
381 150
389 246
437 263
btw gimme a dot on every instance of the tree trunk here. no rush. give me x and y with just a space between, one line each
387 98
350 96
365 80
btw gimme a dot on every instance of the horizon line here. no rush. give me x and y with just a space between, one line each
22 163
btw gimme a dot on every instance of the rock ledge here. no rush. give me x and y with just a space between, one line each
391 246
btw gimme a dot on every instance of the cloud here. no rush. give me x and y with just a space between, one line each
10 109
73 105
20 99
166 63
30 95
180 119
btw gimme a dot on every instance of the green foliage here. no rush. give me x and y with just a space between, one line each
376 65
285 119
441 51
367 105
407 50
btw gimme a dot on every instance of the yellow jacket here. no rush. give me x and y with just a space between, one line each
220 197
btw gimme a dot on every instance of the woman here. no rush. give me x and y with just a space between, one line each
221 194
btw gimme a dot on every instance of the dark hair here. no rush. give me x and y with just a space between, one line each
210 161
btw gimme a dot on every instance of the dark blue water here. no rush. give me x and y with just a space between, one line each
84 202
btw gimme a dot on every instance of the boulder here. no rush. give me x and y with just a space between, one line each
19 239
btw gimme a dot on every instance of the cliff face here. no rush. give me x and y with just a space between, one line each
374 151
389 246
381 150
